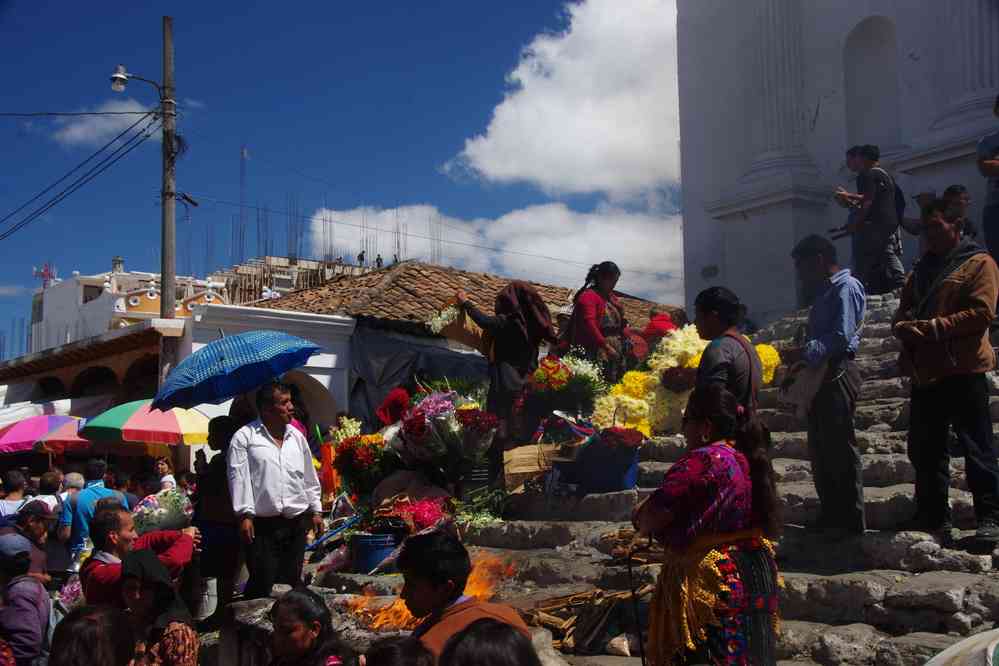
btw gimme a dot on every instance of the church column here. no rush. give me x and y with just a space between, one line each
973 38
780 140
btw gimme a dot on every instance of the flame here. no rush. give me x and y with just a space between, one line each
487 571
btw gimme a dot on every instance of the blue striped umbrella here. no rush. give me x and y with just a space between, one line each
232 365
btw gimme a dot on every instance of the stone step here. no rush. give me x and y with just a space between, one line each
894 601
785 445
527 534
885 508
805 550
802 549
873 337
875 389
609 507
879 312
887 413
890 412
814 642
880 470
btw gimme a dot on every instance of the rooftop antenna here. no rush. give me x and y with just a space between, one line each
46 274
209 248
244 154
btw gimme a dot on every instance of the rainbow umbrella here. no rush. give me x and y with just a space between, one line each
138 422
50 433
64 439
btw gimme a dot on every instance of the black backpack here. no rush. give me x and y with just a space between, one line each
899 196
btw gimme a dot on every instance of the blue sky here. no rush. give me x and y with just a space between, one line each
523 126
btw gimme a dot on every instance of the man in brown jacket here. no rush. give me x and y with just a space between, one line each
435 567
943 320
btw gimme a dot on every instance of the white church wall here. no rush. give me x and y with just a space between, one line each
713 93
730 220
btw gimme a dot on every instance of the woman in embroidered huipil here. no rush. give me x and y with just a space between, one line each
716 598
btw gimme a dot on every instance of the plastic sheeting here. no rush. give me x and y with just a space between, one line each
381 361
83 407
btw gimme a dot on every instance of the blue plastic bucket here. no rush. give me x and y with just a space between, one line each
368 550
601 469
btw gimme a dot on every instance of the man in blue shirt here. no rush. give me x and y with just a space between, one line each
74 523
833 337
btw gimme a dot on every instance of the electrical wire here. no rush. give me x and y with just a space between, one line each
128 146
61 114
478 246
74 169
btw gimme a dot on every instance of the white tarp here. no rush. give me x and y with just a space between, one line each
84 407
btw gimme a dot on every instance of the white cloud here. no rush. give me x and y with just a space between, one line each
7 290
647 246
98 130
192 103
590 109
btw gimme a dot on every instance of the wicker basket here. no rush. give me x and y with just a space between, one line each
527 462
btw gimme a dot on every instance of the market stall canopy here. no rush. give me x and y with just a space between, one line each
232 365
82 407
43 434
137 422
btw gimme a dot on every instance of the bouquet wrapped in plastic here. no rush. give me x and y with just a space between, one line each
166 510
446 432
569 384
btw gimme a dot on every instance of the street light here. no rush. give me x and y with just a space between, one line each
119 79
168 193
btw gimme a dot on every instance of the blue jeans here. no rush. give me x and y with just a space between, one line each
990 227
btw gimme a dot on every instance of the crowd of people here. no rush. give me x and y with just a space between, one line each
716 510
255 502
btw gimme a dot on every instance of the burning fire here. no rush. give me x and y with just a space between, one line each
487 572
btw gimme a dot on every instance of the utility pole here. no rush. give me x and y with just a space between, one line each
169 346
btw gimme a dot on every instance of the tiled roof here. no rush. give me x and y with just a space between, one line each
407 294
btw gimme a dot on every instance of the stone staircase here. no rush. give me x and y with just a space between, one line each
885 598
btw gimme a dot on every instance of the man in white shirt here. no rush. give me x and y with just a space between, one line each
275 492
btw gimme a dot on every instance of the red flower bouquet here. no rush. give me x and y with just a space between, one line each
415 428
362 462
476 421
418 515
621 438
394 407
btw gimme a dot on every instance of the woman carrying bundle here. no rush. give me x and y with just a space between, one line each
520 323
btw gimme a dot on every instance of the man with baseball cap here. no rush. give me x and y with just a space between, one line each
24 614
33 522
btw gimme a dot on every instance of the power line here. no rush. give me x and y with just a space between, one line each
38 114
131 144
478 246
73 170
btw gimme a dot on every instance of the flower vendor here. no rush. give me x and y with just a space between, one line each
660 323
729 359
597 324
716 597
520 324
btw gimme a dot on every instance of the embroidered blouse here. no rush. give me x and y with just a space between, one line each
708 491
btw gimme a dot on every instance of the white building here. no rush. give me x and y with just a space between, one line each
772 92
86 306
